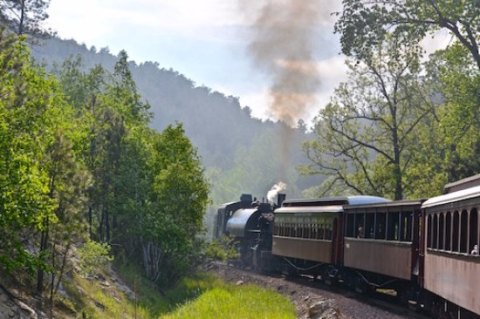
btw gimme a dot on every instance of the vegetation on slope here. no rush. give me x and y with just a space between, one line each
78 161
201 296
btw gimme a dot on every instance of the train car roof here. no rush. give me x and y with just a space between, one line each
309 209
464 194
334 201
388 205
462 184
327 204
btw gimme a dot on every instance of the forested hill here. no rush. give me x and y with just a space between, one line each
225 134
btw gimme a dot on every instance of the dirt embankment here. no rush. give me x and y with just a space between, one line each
314 301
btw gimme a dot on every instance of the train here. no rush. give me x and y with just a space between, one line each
424 251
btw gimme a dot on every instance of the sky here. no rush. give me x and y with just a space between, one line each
207 41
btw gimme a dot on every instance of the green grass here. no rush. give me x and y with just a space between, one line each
200 296
156 302
236 302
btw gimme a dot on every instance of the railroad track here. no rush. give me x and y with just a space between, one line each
354 305
303 289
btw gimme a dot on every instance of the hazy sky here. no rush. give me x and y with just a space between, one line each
204 40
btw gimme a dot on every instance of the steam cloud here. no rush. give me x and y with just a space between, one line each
273 192
282 46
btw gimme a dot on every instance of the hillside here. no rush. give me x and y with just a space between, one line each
225 133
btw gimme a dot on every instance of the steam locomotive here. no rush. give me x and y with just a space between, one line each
426 250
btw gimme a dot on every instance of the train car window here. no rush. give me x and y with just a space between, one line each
350 225
380 225
455 231
473 229
429 231
406 226
299 227
393 227
321 231
360 225
448 231
328 230
369 225
308 228
463 231
441 231
303 229
435 231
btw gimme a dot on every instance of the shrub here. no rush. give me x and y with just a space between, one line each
222 248
94 255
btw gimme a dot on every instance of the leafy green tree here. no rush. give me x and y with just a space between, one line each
364 24
365 135
179 197
134 190
28 107
148 194
448 146
68 183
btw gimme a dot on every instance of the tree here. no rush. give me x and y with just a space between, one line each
68 183
364 24
445 149
24 16
180 196
24 111
448 146
365 135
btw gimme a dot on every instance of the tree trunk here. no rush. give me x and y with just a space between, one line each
43 248
151 260
90 219
22 18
